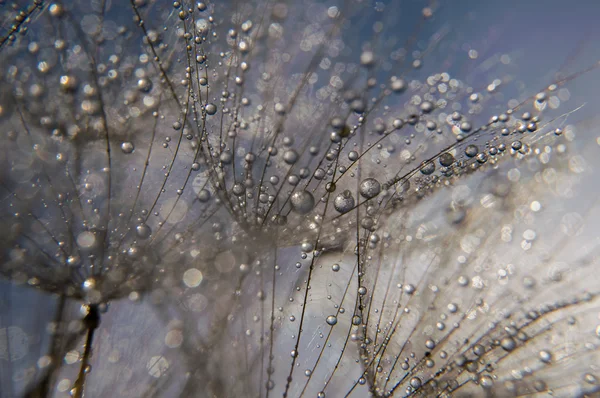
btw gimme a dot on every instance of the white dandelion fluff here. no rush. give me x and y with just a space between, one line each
298 199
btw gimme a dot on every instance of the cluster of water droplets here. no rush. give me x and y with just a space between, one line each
300 210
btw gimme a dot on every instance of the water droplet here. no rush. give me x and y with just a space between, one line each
446 159
508 343
486 381
398 85
127 147
545 356
369 188
210 109
143 231
86 239
415 382
89 284
290 156
344 202
238 189
204 195
367 58
428 168
302 202
144 85
192 277
471 150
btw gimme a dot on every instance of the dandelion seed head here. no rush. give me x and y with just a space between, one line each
365 194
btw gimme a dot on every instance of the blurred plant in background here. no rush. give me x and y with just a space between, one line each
302 198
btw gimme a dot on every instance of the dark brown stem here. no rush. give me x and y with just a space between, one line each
91 321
